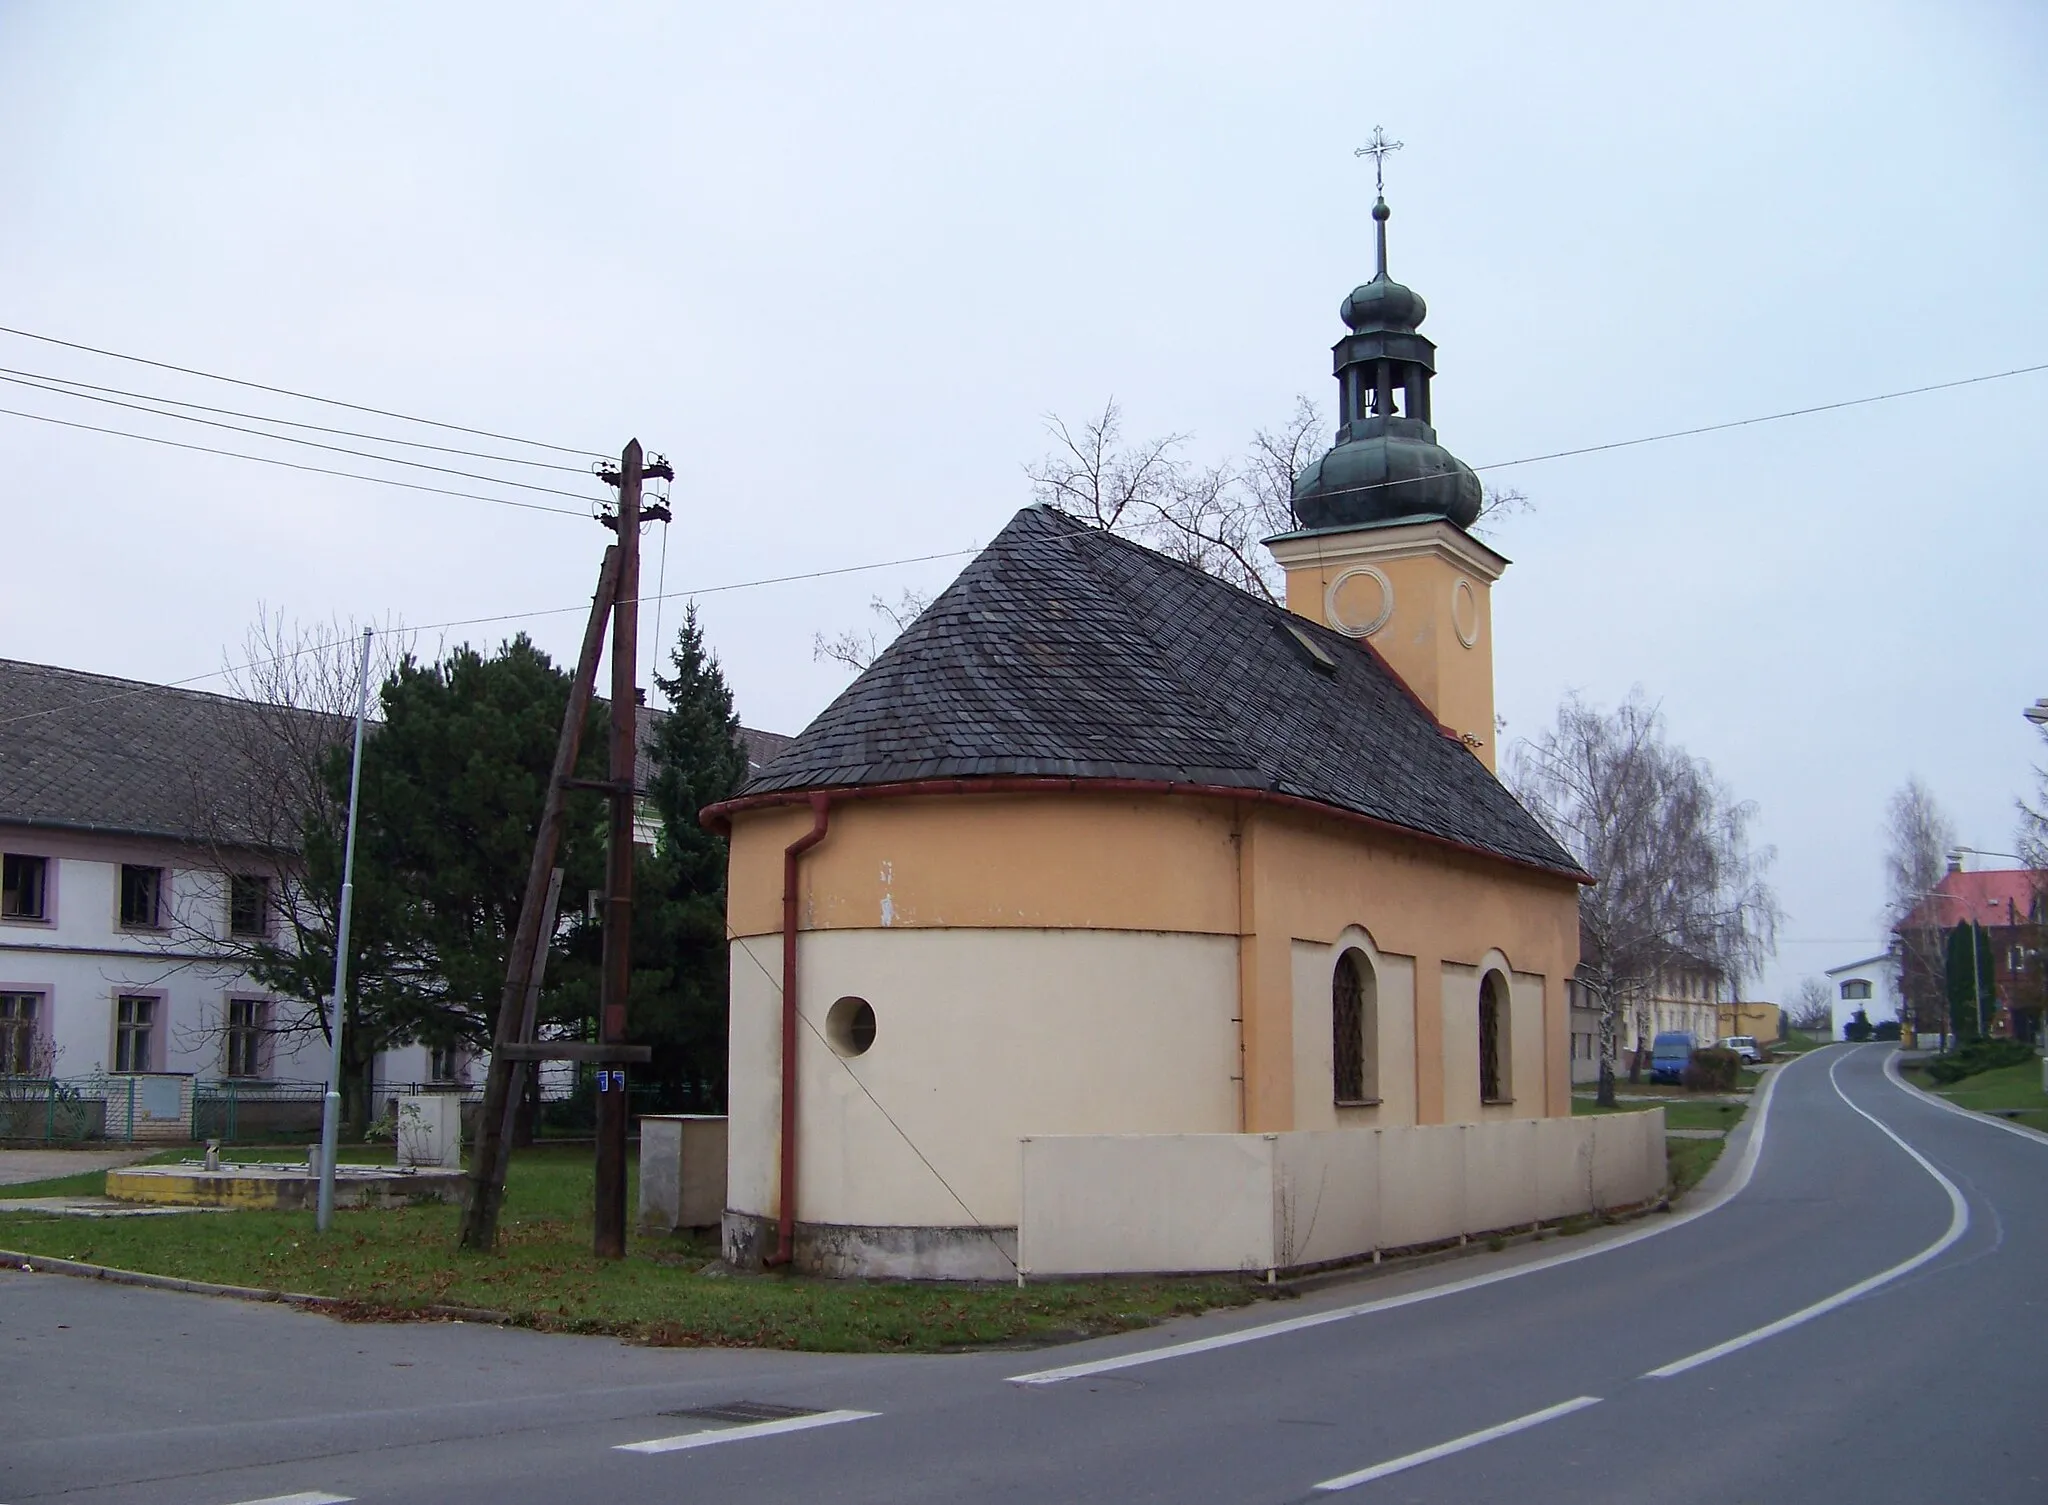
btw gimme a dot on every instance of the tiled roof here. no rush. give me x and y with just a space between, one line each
1993 896
1064 651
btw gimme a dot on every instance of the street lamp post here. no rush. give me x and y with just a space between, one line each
330 1107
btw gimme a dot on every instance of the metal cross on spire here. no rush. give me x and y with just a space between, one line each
1377 149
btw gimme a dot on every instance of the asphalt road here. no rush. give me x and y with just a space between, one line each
1864 1319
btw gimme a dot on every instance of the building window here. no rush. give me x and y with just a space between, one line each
247 1028
18 1034
1354 1031
1495 1066
24 887
1855 990
248 905
134 1031
444 1063
142 892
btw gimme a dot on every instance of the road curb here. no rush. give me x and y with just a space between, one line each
44 1264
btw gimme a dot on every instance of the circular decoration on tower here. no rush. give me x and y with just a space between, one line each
1365 621
1465 612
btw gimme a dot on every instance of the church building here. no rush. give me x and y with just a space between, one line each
1102 846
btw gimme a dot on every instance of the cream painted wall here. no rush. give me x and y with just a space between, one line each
1314 1041
983 1037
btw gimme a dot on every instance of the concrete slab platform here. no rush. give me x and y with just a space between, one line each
282 1188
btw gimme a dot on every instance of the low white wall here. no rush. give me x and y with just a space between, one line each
1128 1203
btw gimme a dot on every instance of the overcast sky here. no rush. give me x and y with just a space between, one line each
839 263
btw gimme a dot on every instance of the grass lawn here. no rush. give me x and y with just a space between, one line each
2007 1087
392 1264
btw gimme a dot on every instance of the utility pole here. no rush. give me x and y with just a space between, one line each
613 1118
618 602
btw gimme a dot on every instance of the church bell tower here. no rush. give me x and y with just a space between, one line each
1381 550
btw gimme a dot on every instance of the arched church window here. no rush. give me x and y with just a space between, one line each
1496 1068
1355 1030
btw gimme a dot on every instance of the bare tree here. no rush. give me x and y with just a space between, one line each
268 788
1918 839
1813 1007
857 647
1679 884
1215 517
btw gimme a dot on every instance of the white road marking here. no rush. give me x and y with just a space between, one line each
1891 1069
1958 1225
1744 1170
706 1438
304 1497
1456 1445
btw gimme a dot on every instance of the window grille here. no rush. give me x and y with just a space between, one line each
18 1033
134 1027
1492 1040
1354 1031
245 1037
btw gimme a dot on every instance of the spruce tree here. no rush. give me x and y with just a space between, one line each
679 943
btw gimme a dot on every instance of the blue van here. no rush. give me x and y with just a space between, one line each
1670 1053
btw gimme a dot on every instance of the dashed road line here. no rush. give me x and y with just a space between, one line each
1455 1445
303 1497
712 1435
1958 1225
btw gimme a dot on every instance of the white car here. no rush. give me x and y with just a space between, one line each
1744 1046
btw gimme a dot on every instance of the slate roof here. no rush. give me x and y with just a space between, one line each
1064 651
91 752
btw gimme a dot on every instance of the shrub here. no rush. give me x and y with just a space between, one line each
1886 1030
1978 1055
1713 1069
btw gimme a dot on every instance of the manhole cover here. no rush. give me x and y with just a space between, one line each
739 1412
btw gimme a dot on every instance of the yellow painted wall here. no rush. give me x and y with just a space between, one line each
1440 580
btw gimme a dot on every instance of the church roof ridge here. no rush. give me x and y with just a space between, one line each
1062 651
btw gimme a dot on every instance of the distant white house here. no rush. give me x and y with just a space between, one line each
1871 985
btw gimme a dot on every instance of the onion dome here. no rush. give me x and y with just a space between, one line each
1386 464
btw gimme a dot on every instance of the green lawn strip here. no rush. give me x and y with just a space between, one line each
1689 1160
391 1264
2006 1087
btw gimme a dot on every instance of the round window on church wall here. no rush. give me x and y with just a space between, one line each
850 1026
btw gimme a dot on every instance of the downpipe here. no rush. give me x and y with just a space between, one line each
792 855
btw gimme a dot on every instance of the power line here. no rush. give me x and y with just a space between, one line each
339 449
322 470
7 372
303 396
1715 428
516 616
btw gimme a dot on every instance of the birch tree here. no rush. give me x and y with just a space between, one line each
1918 838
